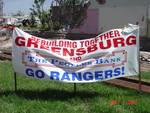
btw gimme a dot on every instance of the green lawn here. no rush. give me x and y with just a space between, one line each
145 75
35 96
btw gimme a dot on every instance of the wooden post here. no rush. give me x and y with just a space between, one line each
15 81
140 83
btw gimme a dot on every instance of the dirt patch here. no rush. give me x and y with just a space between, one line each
5 43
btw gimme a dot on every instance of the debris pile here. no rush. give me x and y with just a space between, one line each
5 46
145 56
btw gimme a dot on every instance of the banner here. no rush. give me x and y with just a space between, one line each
109 55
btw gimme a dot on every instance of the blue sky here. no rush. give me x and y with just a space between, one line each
12 6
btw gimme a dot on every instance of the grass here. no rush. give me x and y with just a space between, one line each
36 96
145 76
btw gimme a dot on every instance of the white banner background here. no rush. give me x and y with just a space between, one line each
110 55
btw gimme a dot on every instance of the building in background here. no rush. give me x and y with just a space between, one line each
104 15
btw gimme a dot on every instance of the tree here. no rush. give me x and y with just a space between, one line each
32 19
66 14
69 14
38 11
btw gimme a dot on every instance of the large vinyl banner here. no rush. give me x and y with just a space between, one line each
109 55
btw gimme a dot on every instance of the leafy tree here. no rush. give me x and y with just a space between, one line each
66 14
32 20
38 11
69 14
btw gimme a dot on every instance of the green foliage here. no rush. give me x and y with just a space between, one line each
33 20
38 11
69 14
66 14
